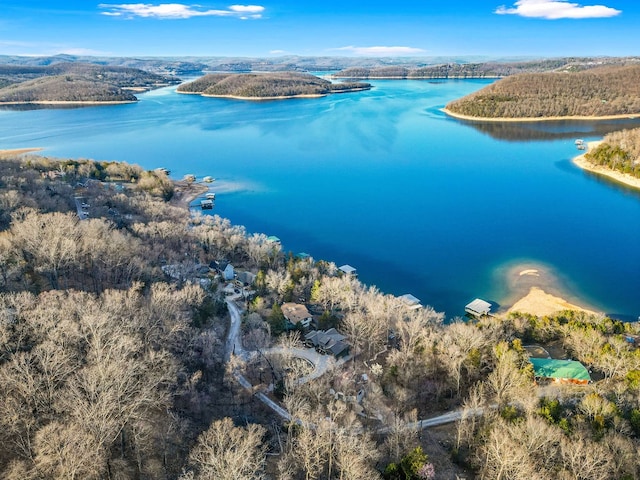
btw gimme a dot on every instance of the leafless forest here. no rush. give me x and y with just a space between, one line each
590 93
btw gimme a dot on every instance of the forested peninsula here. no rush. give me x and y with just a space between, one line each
75 83
129 351
265 86
617 156
605 92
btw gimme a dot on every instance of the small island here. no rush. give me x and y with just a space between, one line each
600 93
267 86
75 84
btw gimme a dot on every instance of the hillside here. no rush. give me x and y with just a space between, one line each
75 82
619 151
480 69
266 85
601 92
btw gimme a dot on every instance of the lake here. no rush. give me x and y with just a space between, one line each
382 180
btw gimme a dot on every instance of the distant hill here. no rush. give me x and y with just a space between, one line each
266 85
480 69
75 82
598 92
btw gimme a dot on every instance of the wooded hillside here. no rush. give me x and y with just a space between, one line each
591 93
480 70
619 151
75 82
266 85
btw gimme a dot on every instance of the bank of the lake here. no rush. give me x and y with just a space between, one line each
624 178
586 118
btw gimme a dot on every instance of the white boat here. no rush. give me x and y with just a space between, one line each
208 179
210 196
579 141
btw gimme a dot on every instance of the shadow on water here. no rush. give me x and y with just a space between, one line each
548 130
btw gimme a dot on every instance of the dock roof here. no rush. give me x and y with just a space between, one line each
560 369
478 306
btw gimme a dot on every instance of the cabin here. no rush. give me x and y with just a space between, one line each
348 270
328 342
410 301
561 371
206 204
478 308
296 314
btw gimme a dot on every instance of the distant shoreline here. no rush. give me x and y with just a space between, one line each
450 77
537 119
619 177
258 99
79 102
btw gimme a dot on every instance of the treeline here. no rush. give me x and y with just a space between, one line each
619 151
592 93
478 70
269 85
75 82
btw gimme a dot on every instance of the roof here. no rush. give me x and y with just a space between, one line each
478 305
295 313
561 369
409 299
347 269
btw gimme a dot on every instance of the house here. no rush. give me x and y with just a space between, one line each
478 308
228 272
348 270
410 301
329 341
561 371
246 278
296 314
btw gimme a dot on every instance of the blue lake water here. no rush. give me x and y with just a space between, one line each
382 180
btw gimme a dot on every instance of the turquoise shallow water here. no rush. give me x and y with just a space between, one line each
419 202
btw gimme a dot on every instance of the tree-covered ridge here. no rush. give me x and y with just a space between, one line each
75 82
479 69
267 85
592 93
619 151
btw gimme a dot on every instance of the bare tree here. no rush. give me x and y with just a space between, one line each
227 452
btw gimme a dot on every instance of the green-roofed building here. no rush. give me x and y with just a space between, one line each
567 371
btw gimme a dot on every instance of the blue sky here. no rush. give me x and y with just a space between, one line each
493 28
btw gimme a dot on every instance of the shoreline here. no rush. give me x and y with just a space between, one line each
624 178
283 97
536 289
18 151
74 102
538 119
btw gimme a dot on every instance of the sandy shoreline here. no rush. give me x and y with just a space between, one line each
60 102
537 119
620 177
538 290
540 303
18 151
185 193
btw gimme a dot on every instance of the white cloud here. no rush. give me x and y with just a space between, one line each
278 52
381 51
179 11
557 9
